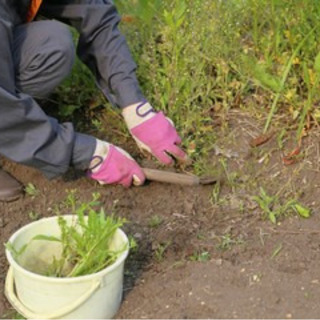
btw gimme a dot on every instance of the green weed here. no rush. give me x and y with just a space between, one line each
276 251
133 244
160 251
31 190
227 241
34 215
202 256
215 194
274 209
155 221
98 125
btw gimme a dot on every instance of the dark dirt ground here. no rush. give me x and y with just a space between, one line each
205 258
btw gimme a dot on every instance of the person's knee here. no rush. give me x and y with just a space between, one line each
58 48
51 58
65 47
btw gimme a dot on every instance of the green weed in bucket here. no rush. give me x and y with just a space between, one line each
85 242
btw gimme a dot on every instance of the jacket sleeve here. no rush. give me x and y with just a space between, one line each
101 46
27 135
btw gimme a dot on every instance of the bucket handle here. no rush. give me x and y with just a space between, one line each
26 312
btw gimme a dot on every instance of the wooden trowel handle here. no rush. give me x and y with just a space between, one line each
170 177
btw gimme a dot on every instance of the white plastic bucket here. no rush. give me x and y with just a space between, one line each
94 296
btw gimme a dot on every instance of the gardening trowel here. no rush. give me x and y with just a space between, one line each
176 178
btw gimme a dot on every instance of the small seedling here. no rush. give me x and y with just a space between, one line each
272 207
265 202
301 210
97 124
133 244
160 251
226 242
201 236
155 221
31 190
34 215
200 256
276 251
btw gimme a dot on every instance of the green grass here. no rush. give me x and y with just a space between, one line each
198 59
198 56
195 57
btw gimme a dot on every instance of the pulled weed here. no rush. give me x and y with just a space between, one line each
85 242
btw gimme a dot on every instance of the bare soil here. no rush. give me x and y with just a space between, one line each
203 258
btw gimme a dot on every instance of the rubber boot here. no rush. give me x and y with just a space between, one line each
10 188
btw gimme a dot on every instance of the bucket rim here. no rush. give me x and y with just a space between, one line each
16 266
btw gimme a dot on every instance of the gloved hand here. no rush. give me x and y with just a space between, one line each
112 165
153 132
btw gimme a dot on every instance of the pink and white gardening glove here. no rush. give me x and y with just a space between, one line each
153 132
112 165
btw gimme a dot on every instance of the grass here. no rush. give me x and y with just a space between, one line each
229 50
197 60
197 57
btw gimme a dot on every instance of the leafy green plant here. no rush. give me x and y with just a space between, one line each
160 250
202 256
155 221
34 215
227 241
272 207
97 124
31 190
85 242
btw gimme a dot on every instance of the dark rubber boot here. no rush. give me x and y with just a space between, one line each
10 188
